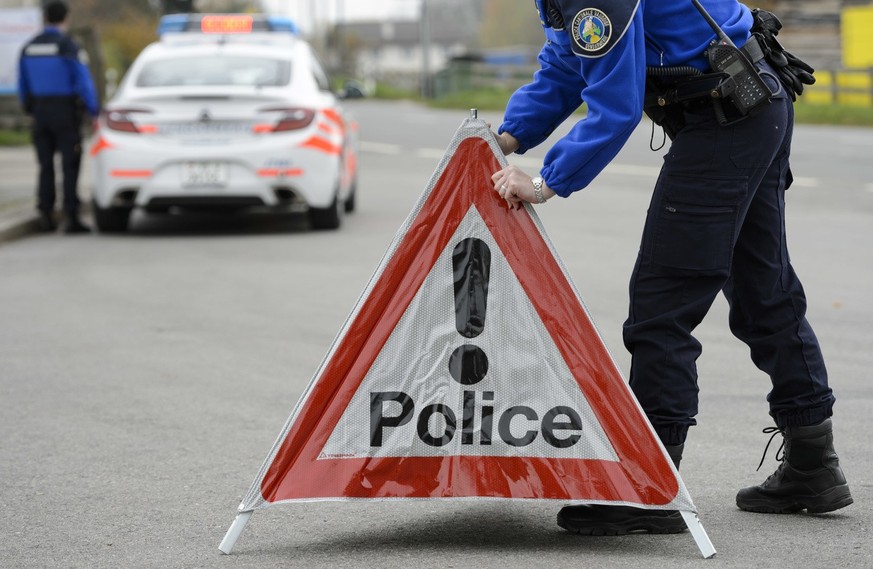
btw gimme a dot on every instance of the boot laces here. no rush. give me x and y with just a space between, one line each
775 431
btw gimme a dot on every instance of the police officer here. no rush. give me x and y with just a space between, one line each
55 88
716 223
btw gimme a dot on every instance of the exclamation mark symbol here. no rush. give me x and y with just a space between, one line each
471 260
468 364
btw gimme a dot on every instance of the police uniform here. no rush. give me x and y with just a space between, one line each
55 88
716 221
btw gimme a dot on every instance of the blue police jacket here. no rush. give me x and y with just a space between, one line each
597 51
50 67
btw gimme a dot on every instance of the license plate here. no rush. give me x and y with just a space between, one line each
204 173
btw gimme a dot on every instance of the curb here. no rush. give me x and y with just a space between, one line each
21 226
23 223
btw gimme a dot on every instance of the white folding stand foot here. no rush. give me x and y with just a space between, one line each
699 534
234 531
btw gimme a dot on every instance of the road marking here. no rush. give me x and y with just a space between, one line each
430 153
632 170
380 148
804 182
620 169
524 162
860 140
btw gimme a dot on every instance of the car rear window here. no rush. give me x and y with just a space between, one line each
215 70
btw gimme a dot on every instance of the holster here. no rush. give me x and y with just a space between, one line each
667 97
669 117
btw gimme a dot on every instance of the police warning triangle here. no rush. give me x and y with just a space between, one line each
469 368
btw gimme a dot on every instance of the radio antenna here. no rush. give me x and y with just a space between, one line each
722 37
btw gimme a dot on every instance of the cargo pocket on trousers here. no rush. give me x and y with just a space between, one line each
695 226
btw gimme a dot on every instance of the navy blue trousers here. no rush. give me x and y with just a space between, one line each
716 223
57 129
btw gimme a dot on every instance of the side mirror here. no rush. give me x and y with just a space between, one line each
352 90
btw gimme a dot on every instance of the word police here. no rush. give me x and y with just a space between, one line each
561 426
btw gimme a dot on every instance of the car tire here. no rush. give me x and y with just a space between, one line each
111 219
350 204
326 218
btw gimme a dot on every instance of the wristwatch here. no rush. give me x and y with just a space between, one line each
538 189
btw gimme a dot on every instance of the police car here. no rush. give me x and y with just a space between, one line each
225 111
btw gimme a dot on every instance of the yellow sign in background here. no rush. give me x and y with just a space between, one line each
854 84
857 22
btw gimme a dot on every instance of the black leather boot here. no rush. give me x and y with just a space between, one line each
47 222
621 520
74 225
809 478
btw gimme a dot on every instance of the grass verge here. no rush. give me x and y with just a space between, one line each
482 99
833 114
14 138
384 91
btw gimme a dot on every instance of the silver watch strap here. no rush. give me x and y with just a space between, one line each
538 190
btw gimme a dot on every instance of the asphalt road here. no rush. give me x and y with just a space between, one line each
144 377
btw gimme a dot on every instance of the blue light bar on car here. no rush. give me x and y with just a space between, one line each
173 23
279 24
225 24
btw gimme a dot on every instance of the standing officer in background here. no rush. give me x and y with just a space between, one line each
716 222
54 85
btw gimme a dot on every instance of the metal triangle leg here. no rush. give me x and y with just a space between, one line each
699 534
234 531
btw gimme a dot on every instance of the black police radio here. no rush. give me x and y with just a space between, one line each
743 86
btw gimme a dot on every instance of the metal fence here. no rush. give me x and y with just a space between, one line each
851 87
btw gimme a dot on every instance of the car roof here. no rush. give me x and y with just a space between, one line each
296 51
176 44
193 43
236 33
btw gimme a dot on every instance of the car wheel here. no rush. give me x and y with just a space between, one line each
350 203
326 218
111 219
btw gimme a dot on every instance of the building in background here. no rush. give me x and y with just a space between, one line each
17 27
391 51
400 51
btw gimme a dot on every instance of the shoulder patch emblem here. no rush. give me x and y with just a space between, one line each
40 49
591 29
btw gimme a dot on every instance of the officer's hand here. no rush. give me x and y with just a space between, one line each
508 143
516 187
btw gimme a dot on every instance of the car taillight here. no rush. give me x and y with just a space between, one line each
291 119
121 120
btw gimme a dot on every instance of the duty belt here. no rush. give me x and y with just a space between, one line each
753 49
693 85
